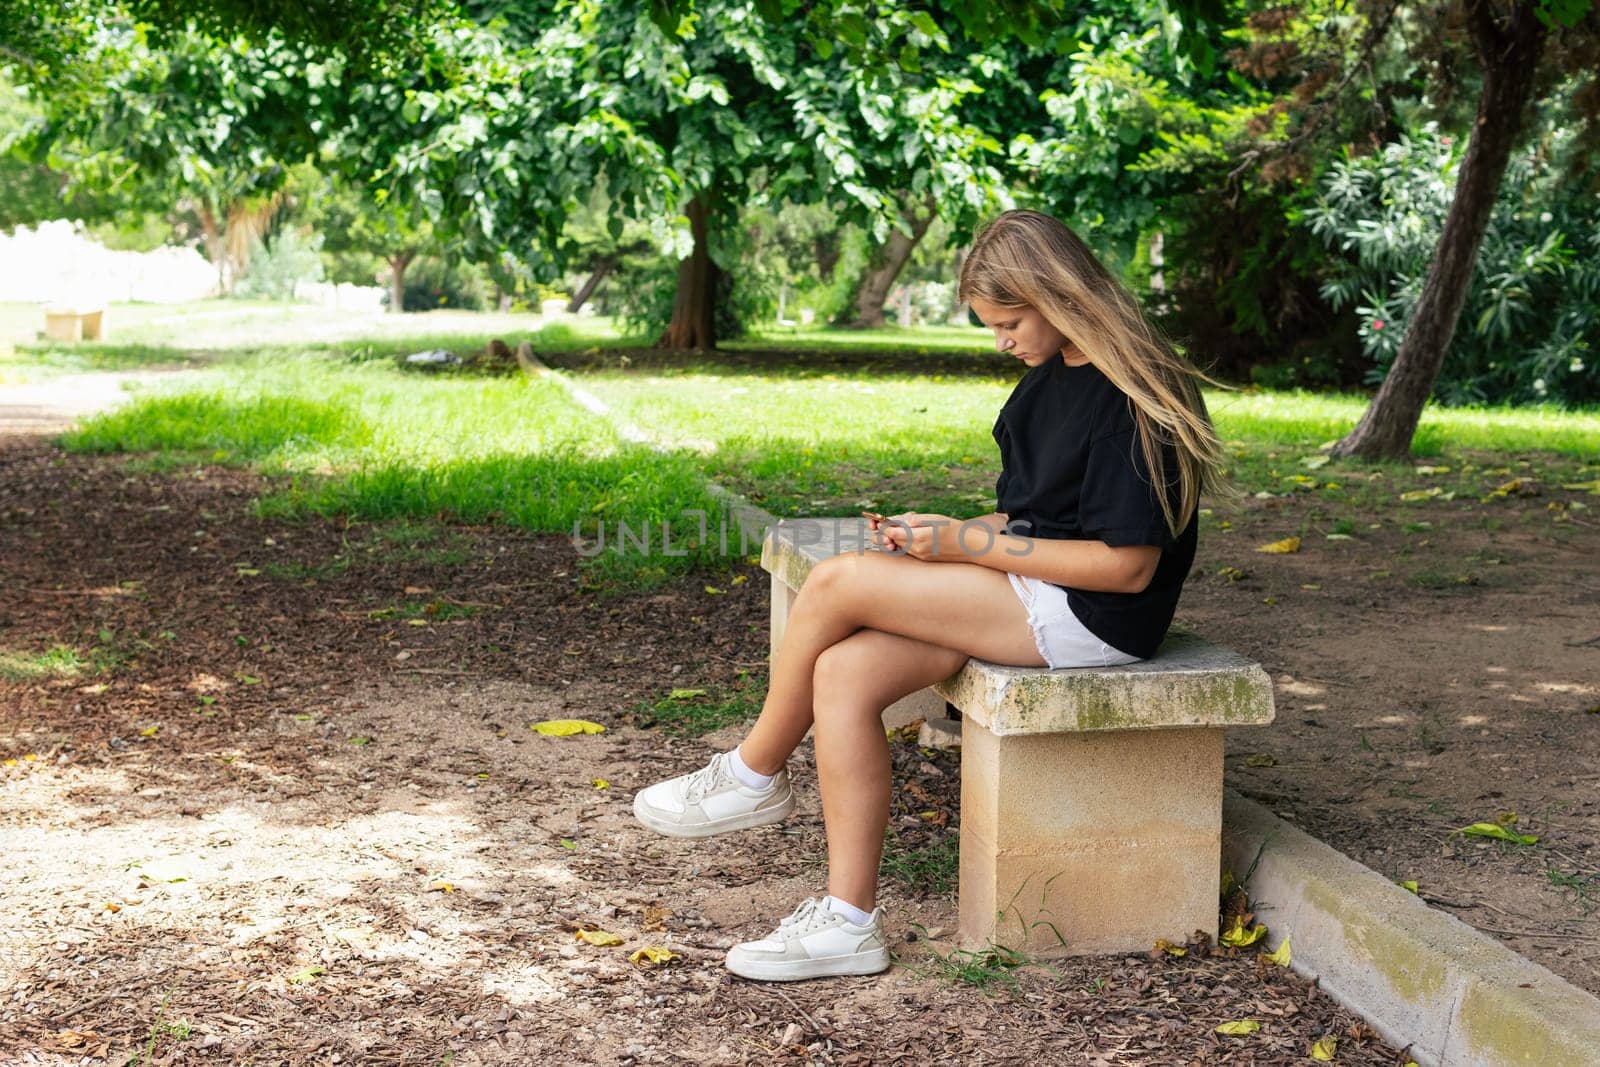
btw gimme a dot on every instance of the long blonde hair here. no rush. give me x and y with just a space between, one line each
1025 259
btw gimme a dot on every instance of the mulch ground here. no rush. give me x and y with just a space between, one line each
290 811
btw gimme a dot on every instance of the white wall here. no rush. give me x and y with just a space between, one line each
55 264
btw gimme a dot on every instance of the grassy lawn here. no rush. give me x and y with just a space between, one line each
374 442
833 443
893 421
211 331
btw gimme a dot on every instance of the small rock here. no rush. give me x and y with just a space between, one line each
791 1035
939 733
432 357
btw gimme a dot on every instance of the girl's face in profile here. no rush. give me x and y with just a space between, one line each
1024 334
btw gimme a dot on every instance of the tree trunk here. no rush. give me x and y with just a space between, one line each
888 259
581 297
958 307
397 280
213 239
1510 57
693 308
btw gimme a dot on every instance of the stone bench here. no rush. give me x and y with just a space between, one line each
73 324
1091 799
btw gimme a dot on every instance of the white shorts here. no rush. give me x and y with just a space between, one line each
1063 640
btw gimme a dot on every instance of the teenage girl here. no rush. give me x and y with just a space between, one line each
1105 449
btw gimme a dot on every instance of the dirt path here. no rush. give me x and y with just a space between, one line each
284 806
53 405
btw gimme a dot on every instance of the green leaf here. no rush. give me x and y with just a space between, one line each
1495 830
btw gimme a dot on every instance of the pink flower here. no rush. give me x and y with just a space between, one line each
1377 324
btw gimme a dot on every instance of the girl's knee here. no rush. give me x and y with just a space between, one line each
840 671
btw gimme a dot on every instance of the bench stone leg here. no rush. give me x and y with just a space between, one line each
783 599
924 704
1111 839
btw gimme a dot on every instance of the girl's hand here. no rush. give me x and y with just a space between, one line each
921 535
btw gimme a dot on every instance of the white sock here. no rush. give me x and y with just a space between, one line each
745 774
848 910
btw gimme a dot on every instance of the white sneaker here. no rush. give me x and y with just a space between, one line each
712 801
813 943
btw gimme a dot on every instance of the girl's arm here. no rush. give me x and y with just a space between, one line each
1091 565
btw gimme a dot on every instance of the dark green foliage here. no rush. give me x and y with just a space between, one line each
1530 328
433 283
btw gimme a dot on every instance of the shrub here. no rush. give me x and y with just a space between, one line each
1531 316
281 264
439 283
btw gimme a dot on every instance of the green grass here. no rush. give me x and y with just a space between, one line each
209 332
58 661
62 661
887 339
373 442
803 422
931 870
804 441
985 970
692 712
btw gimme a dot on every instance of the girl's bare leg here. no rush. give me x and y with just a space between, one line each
963 607
854 681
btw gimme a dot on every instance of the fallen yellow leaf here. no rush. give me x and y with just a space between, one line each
1239 937
1325 1047
1407 884
308 975
112 906
9 763
739 579
600 783
652 954
685 694
1242 1026
1280 548
442 887
1163 945
567 727
1420 494
598 937
1281 957
150 731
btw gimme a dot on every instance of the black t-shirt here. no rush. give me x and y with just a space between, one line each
1072 469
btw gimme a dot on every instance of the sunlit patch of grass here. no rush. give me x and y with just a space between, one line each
692 712
58 661
379 445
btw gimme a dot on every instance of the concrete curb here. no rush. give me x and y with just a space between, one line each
1418 975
